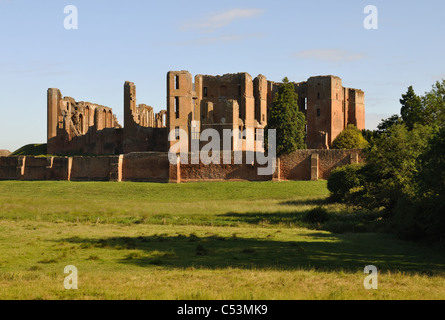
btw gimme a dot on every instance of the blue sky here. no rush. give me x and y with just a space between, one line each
141 41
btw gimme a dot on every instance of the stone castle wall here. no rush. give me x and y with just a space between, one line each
231 101
155 167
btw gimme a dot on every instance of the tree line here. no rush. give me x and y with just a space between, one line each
404 172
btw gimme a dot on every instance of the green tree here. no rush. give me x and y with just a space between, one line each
412 110
369 135
434 105
388 123
432 166
422 215
287 120
404 171
350 138
391 165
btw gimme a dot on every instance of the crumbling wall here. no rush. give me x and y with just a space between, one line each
230 101
328 106
81 127
142 131
356 108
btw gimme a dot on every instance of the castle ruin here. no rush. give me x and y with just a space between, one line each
231 101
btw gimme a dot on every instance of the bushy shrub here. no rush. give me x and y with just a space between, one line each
316 215
404 175
391 165
344 179
423 214
350 138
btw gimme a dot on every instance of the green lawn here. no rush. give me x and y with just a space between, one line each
222 240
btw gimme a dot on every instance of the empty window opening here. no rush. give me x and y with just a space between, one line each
177 107
305 103
177 133
318 112
176 82
105 118
81 123
319 96
110 119
239 91
205 91
195 130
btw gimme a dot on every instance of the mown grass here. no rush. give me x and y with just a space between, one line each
232 240
194 203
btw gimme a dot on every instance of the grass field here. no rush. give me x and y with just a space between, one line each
222 240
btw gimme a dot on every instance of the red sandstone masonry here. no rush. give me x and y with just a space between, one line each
155 167
146 167
92 168
330 159
35 168
220 172
10 168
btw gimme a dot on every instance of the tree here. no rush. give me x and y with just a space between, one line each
391 166
404 171
287 120
432 166
388 123
434 105
350 138
412 110
369 135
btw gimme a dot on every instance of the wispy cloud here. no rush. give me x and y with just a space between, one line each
330 55
219 39
222 19
38 69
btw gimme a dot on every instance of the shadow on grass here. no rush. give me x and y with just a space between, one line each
258 218
317 251
318 218
306 202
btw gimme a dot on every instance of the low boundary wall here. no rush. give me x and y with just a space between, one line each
155 167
